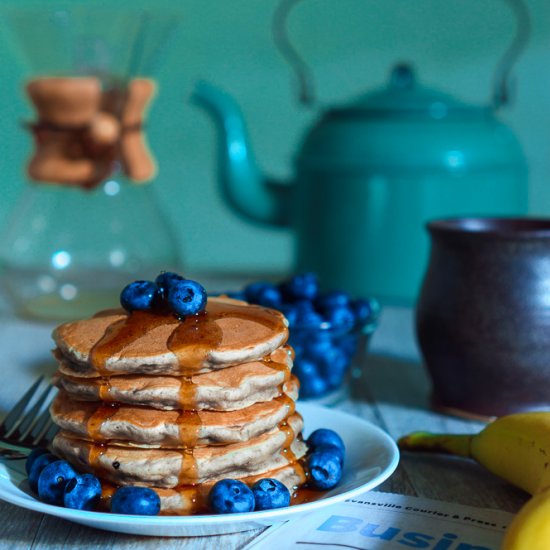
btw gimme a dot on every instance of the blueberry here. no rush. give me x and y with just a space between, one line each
325 470
307 318
270 297
339 316
136 501
290 312
236 295
52 481
331 361
270 494
263 294
323 437
186 297
303 305
321 338
334 378
348 344
139 295
230 496
313 387
33 455
253 290
298 351
331 299
311 383
164 280
364 309
82 492
305 369
318 346
300 287
36 469
328 448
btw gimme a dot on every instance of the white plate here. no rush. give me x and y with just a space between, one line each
371 457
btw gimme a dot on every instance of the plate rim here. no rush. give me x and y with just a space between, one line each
220 519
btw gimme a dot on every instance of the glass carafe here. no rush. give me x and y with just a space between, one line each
73 240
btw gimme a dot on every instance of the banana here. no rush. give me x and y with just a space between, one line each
530 528
516 448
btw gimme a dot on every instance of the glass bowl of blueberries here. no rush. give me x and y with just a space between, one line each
329 332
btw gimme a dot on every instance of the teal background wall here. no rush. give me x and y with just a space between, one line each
351 45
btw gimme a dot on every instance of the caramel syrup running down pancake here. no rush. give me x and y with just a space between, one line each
286 428
281 367
198 494
96 451
95 422
189 423
105 390
188 392
103 413
192 339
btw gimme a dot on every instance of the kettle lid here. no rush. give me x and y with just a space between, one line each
403 95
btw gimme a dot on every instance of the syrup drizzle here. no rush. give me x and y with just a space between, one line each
189 423
122 333
105 390
192 339
196 496
303 495
287 430
95 423
278 361
94 426
97 450
188 393
280 367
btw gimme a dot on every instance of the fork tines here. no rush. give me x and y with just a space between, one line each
29 424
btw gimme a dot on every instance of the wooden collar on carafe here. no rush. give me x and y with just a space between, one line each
84 131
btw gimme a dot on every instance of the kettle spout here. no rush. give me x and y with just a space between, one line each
243 185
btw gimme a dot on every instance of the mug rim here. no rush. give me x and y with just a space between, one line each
481 226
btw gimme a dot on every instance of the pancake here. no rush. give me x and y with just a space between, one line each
170 429
174 404
167 468
230 332
228 389
186 500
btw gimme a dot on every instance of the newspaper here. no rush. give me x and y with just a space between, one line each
386 521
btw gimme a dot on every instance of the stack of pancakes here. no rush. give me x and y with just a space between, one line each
176 405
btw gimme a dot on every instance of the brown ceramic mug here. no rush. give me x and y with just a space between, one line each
483 315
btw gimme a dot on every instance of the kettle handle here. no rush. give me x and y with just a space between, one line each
501 80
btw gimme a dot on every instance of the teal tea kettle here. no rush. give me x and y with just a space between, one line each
371 172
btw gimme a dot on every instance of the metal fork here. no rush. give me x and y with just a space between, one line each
28 424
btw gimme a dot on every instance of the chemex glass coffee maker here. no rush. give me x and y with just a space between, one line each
86 223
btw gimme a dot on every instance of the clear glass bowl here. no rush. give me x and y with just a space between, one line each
327 357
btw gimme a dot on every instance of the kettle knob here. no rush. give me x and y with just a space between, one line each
402 76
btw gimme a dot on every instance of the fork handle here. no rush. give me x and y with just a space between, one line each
15 453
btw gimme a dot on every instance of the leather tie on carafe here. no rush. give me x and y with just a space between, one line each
83 132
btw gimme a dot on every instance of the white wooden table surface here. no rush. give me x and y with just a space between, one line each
393 393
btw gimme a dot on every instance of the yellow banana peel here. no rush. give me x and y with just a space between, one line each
516 448
530 528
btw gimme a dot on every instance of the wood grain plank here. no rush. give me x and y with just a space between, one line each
58 533
400 394
18 526
361 404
